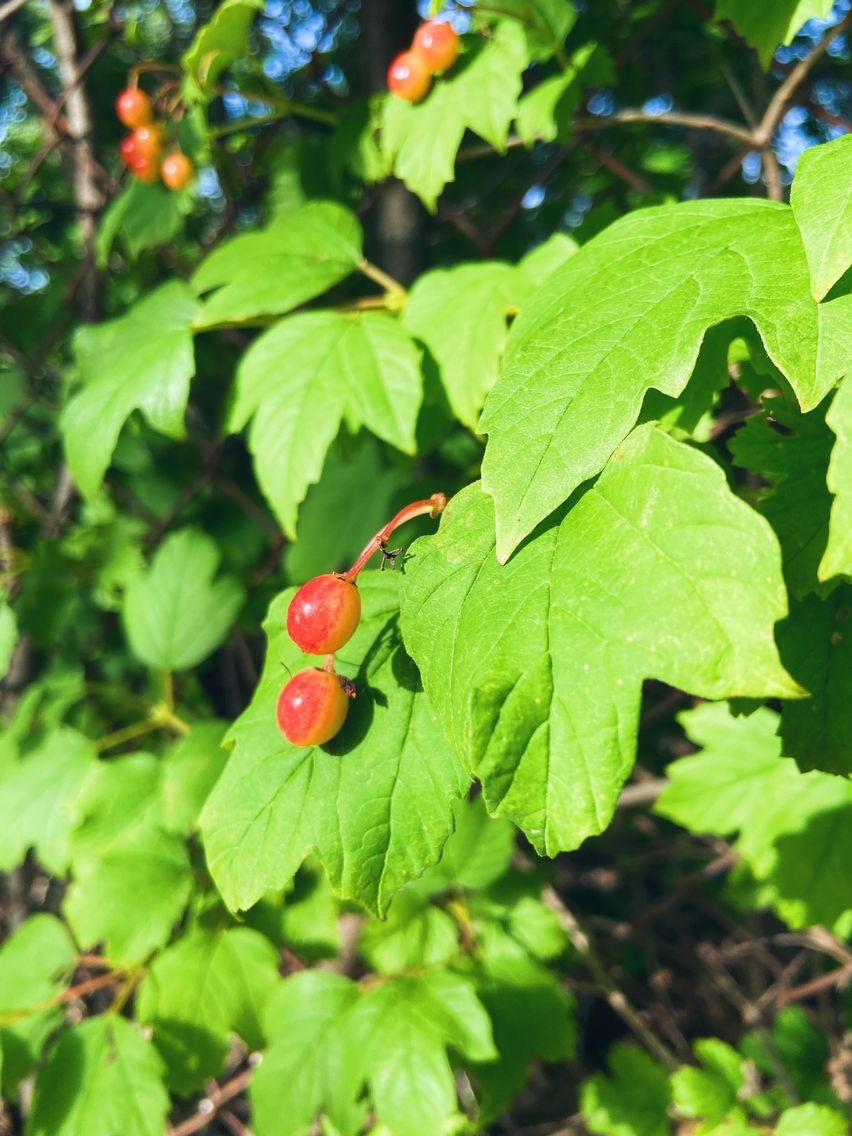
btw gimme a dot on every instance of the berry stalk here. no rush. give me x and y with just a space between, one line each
432 507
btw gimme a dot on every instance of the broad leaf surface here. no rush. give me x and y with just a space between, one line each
837 559
36 961
811 1120
120 849
795 828
480 93
298 256
766 24
460 315
415 934
375 802
217 44
8 635
304 377
822 206
141 361
189 771
535 668
546 23
38 799
120 1073
584 353
178 611
631 1100
709 1093
198 992
477 853
143 216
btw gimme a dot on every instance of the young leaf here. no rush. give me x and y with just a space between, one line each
298 256
822 207
307 374
837 559
375 802
811 1120
145 216
216 45
478 852
101 1077
460 315
535 668
35 963
582 355
415 934
709 1093
176 613
207 986
632 1100
141 361
766 24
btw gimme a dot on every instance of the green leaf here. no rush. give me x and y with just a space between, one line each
790 451
121 850
415 934
823 208
479 94
460 315
766 24
102 1077
544 110
36 961
632 1100
269 271
545 258
545 22
709 1093
8 636
535 668
301 379
478 852
811 1120
38 799
837 558
190 769
582 356
141 361
311 1064
209 985
145 216
176 613
816 645
375 802
217 44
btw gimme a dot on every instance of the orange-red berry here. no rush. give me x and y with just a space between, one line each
148 141
408 77
133 107
177 171
143 166
323 614
437 44
312 707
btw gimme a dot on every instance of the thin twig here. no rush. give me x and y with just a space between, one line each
210 1105
669 118
9 8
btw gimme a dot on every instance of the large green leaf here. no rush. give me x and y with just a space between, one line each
298 256
766 24
144 215
35 963
217 44
102 1078
38 799
535 668
626 314
190 770
811 1120
479 94
837 559
8 635
304 377
176 612
207 986
120 850
822 206
141 361
631 1100
795 828
375 802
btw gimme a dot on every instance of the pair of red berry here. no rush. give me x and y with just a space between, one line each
433 50
321 618
141 150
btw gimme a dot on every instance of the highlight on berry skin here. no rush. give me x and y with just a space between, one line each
437 44
408 77
133 108
313 706
323 614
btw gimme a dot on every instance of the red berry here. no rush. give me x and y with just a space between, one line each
144 167
133 107
177 171
437 44
408 77
323 614
312 707
148 141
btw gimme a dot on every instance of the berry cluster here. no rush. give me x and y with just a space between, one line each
141 150
321 618
433 51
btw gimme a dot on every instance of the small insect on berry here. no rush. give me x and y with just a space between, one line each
323 614
437 44
133 107
313 705
177 171
408 77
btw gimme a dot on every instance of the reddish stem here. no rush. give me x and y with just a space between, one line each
433 507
